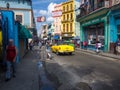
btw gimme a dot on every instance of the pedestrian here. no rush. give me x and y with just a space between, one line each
98 46
78 43
31 45
117 46
40 45
85 44
11 54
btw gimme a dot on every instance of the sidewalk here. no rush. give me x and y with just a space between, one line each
26 76
101 53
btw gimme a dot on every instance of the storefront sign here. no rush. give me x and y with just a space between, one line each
93 21
57 13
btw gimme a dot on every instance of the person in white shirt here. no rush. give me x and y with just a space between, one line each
98 46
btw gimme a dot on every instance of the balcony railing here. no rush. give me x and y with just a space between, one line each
85 10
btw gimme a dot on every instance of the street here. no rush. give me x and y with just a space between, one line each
97 72
80 71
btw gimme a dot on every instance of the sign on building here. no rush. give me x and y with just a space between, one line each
57 13
41 19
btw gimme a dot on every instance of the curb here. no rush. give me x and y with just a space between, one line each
101 54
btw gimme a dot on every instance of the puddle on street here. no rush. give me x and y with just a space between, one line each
45 83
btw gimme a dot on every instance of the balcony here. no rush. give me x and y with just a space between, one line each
84 10
67 20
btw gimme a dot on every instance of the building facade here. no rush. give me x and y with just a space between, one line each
94 23
23 14
44 33
22 10
70 27
114 24
57 15
68 19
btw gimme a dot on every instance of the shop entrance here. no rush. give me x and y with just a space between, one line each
118 31
94 33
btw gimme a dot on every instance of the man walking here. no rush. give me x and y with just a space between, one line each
11 53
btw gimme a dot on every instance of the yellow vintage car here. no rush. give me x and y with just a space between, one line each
62 48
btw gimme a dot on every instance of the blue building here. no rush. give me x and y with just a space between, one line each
22 10
114 21
23 13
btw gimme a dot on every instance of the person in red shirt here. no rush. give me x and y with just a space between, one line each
11 53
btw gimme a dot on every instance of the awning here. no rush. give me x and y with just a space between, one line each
23 32
56 37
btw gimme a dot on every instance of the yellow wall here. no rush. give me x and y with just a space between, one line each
0 45
68 17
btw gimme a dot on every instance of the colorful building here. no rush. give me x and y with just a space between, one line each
68 19
114 21
44 33
57 15
51 35
22 10
94 23
23 13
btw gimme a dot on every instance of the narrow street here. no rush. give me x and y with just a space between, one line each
99 73
64 72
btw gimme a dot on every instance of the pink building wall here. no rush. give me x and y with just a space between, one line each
57 15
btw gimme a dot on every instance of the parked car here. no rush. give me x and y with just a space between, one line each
62 48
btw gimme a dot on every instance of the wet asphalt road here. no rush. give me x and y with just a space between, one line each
99 72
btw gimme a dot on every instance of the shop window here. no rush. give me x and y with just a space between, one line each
118 29
19 18
100 3
94 33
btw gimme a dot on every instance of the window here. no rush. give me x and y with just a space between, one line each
63 27
63 8
19 18
67 28
67 16
71 16
67 8
71 27
64 17
71 6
